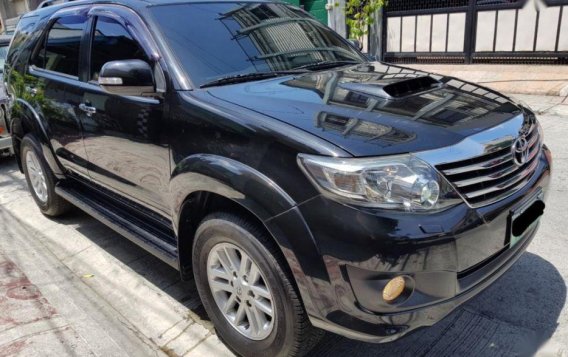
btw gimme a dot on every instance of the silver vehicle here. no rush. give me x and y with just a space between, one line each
5 138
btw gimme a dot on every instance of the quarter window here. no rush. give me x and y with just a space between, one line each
61 48
112 42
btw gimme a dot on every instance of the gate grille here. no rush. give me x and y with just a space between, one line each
410 5
475 31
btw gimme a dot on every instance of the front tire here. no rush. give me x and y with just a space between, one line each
40 179
246 291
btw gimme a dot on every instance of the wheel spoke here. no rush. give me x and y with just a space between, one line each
261 291
256 320
254 324
239 316
220 272
33 178
220 285
230 303
254 274
36 163
245 265
259 317
224 260
262 306
233 259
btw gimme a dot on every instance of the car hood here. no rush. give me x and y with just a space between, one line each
375 109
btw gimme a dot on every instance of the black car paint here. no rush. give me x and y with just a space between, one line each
241 142
307 102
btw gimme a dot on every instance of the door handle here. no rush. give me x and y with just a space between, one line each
87 109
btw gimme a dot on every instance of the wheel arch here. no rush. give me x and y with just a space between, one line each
204 184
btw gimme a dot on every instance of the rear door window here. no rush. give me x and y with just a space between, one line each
61 48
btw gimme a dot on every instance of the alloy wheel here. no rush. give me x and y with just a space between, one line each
37 176
240 291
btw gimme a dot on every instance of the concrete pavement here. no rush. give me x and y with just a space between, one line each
95 293
71 286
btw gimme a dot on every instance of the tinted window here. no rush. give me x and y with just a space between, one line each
111 42
61 49
214 40
23 30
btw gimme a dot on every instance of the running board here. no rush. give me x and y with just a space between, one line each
119 221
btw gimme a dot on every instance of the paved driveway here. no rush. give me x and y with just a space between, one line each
72 286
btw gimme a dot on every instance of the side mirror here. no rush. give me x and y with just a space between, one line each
356 43
127 77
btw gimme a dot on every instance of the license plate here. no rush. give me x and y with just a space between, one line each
524 217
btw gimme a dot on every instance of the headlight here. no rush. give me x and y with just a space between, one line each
401 182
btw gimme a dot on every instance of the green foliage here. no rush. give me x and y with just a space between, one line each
360 16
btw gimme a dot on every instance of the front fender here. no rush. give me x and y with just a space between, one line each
262 197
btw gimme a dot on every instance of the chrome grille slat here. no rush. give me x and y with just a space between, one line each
508 183
480 166
487 178
533 139
497 174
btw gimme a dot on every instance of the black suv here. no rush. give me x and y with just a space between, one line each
258 152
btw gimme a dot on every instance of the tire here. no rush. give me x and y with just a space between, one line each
291 333
49 203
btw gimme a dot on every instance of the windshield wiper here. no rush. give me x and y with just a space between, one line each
247 77
327 64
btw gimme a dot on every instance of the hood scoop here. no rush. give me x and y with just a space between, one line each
394 90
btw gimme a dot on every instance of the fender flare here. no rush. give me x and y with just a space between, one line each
231 179
27 116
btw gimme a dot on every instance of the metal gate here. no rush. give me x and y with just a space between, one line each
475 31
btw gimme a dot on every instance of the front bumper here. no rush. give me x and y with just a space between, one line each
6 143
451 255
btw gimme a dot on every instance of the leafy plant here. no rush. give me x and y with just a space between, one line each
360 16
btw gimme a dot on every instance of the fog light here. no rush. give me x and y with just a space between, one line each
393 289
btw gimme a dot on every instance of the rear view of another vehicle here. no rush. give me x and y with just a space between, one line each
5 138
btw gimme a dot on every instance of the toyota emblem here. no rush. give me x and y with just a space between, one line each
520 150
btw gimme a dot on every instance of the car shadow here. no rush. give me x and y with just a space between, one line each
155 271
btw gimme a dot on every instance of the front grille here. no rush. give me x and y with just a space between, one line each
485 179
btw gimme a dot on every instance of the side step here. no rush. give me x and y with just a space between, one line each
120 221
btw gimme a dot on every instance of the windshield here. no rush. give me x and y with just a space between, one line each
3 55
218 40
